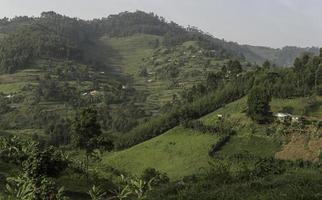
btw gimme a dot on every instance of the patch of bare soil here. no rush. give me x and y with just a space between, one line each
301 148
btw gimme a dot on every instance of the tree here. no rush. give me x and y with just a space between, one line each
43 188
266 64
49 162
59 132
234 67
258 105
157 177
86 131
213 80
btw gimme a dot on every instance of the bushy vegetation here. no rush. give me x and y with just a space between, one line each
258 105
258 180
196 109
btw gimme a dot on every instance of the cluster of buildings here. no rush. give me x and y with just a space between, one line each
288 118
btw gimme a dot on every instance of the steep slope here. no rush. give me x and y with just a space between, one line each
130 55
178 152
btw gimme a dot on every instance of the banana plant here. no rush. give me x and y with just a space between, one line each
96 193
20 188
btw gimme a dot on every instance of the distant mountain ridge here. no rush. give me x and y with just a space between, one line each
129 23
281 57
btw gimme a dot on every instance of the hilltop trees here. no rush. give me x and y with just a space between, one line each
258 105
20 47
51 35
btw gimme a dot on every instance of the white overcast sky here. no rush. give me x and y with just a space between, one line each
274 23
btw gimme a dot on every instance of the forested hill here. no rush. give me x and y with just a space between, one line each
54 31
58 36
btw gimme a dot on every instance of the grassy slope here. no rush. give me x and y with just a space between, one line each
128 52
189 155
125 54
178 152
256 143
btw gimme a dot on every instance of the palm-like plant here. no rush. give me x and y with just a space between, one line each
20 188
134 187
16 149
140 187
96 193
122 193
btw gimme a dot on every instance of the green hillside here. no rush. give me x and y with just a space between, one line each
129 51
179 152
134 107
129 55
14 83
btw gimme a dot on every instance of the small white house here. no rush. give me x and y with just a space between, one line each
282 115
9 96
287 118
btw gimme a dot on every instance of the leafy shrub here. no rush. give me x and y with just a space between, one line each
268 166
49 162
157 177
221 127
219 144
23 187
